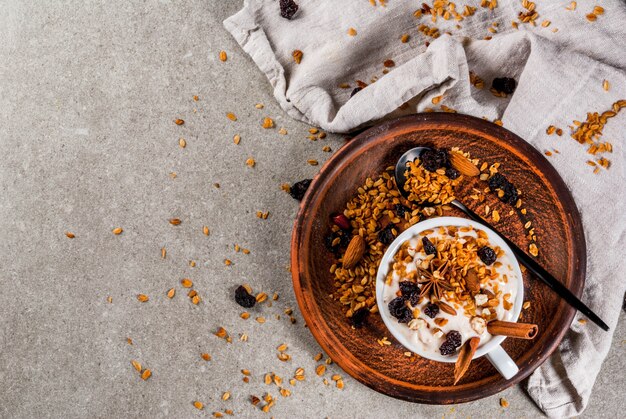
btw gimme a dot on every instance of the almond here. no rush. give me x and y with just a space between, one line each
441 322
447 308
465 357
354 252
471 282
463 165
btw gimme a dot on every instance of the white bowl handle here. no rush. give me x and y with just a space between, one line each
503 362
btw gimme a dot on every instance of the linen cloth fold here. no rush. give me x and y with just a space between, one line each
560 64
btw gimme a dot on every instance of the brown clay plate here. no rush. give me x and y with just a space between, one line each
549 205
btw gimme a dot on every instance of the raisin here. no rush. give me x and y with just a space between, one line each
434 159
243 298
504 84
431 310
408 288
396 306
498 181
407 316
510 194
386 236
288 8
429 247
298 189
401 210
359 316
487 255
344 240
454 337
328 241
452 173
399 310
355 91
447 348
453 341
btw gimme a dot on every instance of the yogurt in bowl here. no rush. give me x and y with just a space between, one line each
441 281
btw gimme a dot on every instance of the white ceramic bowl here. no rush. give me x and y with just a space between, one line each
491 349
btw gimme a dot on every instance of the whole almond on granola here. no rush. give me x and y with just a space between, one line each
446 308
354 252
463 165
472 282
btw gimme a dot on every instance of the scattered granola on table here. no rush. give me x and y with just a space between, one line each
589 133
297 56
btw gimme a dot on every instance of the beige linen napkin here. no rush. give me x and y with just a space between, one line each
560 64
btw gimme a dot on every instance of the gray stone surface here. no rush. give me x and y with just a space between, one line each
88 95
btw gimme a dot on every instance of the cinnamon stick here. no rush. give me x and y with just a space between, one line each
512 330
465 357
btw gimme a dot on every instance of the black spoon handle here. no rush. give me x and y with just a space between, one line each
538 271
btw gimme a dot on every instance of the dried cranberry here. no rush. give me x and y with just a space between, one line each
386 236
408 288
401 210
355 91
487 255
399 310
434 159
243 298
298 189
288 8
431 310
341 221
447 348
359 316
452 173
454 337
504 84
429 247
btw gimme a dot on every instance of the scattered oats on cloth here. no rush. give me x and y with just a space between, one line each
560 59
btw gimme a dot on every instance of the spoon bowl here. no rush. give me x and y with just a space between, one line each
401 168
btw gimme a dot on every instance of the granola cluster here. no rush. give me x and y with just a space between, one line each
377 204
429 187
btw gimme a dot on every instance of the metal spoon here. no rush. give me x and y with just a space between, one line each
521 256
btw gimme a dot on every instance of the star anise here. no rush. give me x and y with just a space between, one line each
434 280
